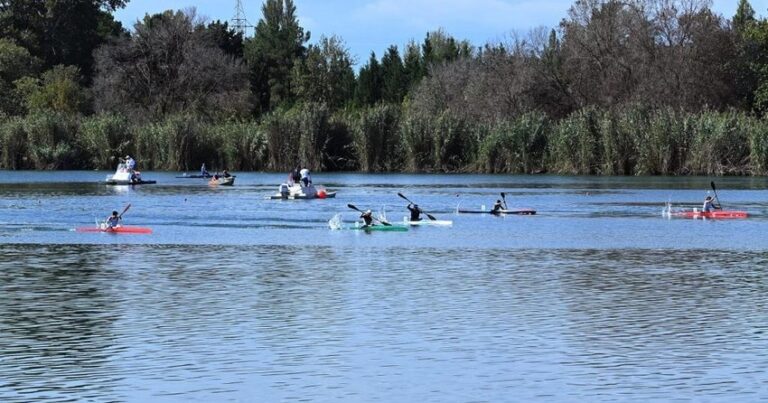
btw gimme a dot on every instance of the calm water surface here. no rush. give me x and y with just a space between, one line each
237 298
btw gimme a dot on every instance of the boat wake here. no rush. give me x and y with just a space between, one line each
336 223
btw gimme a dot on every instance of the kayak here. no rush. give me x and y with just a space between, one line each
711 214
393 228
437 223
117 230
525 211
228 181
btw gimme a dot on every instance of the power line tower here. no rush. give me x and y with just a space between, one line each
239 23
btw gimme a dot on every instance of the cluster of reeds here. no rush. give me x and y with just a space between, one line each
632 140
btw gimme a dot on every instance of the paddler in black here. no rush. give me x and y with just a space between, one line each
415 212
497 207
367 218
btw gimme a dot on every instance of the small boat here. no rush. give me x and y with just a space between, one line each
695 213
525 211
123 229
125 176
379 227
222 181
425 222
298 192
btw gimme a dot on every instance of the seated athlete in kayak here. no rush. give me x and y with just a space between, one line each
114 221
497 207
226 174
709 205
415 212
367 217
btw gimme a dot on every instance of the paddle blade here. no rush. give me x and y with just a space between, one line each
431 217
712 183
353 207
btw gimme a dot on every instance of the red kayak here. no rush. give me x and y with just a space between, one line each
712 214
117 230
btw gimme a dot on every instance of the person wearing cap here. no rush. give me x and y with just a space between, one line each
415 212
709 205
367 217
130 163
114 220
497 207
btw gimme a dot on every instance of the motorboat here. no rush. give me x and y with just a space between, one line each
296 191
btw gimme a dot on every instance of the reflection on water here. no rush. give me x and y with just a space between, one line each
318 323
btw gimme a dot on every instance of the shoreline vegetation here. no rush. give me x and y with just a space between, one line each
618 88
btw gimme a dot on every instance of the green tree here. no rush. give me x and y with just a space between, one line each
325 75
413 68
394 84
15 63
60 32
747 54
278 44
58 90
440 47
226 38
368 90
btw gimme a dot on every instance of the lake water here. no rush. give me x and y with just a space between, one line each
233 297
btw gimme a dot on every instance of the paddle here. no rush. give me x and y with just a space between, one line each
431 217
504 198
124 210
714 189
353 207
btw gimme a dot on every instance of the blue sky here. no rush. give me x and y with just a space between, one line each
374 25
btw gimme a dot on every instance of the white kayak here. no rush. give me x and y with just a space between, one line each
426 221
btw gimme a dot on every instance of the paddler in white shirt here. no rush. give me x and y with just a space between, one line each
114 220
709 205
305 178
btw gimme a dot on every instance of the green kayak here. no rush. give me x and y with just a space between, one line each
397 228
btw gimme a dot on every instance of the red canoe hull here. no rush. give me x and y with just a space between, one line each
118 230
712 214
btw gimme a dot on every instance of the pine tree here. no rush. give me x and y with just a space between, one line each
278 44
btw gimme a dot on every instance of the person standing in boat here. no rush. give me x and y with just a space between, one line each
306 179
497 207
204 172
367 217
294 177
114 220
130 163
415 212
709 205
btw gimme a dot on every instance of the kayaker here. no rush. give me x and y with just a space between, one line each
415 212
497 207
226 174
367 217
305 178
204 172
114 220
709 205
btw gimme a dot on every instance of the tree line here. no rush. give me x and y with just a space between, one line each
619 87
